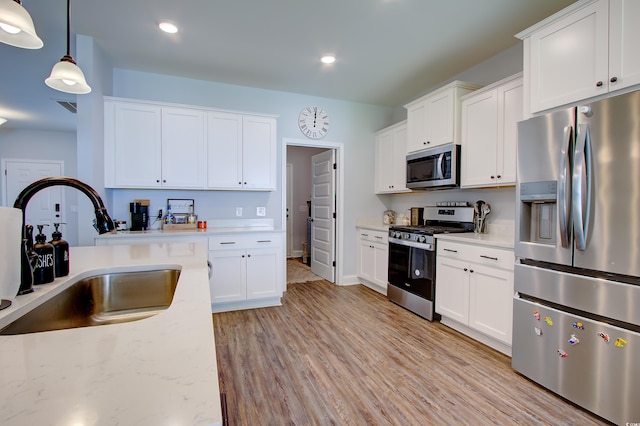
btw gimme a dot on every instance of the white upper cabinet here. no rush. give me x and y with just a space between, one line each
258 153
624 35
150 146
586 50
133 154
183 148
489 134
241 152
224 153
391 163
434 119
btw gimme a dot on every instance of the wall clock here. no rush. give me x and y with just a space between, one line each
313 122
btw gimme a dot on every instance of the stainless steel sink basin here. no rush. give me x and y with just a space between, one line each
101 299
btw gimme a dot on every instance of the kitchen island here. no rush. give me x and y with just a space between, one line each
156 371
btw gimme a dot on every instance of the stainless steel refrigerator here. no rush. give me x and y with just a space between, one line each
576 309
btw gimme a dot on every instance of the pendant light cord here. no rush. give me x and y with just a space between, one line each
68 57
68 28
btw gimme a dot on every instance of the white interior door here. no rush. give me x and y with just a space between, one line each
45 207
289 214
323 208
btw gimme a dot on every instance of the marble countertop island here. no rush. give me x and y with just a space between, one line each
157 371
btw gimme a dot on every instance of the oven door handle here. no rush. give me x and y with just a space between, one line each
423 246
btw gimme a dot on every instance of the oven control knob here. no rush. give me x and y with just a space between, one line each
422 239
406 236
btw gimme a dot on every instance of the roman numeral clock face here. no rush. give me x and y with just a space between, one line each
313 122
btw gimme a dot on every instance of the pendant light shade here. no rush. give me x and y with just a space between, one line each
66 76
16 26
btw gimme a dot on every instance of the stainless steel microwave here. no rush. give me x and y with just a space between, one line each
434 168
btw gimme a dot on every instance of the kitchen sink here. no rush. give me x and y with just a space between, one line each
102 299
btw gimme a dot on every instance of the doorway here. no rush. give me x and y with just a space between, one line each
45 207
301 211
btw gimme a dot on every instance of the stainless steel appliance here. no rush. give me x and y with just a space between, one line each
577 304
434 168
412 257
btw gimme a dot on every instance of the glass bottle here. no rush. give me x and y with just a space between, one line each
169 218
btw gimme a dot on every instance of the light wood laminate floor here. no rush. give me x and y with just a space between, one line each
336 355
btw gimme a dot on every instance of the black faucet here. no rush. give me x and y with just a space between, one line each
102 223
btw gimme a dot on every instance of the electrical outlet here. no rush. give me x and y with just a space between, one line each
261 211
238 211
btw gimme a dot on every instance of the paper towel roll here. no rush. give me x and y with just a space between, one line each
10 242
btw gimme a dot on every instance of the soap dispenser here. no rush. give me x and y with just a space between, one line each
44 272
60 253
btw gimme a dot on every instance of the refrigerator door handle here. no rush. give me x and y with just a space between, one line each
564 192
582 171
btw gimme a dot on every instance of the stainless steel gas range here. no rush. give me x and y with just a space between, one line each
412 257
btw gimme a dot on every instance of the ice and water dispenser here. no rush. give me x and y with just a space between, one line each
538 211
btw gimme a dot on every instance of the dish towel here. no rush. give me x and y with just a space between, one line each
10 245
417 263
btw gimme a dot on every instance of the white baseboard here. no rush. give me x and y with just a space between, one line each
480 337
245 304
295 254
348 280
374 286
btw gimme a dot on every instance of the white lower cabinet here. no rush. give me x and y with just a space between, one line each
474 291
373 259
247 271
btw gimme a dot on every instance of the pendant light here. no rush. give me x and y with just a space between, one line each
16 26
66 75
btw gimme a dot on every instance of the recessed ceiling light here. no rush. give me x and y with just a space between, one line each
168 27
2 121
328 59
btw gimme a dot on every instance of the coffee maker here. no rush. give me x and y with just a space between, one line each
139 216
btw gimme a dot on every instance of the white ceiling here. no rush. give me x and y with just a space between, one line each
388 51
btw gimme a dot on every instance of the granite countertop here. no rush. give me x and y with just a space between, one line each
157 371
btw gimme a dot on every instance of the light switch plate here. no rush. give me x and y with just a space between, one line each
261 211
238 211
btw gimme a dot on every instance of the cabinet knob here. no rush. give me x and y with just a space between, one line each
426 143
493 177
157 180
499 176
599 84
245 183
243 255
239 183
465 269
471 270
248 255
613 79
164 181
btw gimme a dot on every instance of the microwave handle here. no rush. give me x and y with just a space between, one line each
439 174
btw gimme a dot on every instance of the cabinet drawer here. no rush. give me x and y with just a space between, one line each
235 241
492 256
373 236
